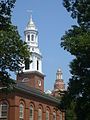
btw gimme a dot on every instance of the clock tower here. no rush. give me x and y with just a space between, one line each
32 74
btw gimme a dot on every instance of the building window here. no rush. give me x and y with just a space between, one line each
4 111
31 113
27 64
28 37
60 115
54 116
33 49
21 112
32 37
39 114
37 64
47 115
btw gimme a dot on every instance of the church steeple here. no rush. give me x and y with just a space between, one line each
31 38
32 74
59 84
59 74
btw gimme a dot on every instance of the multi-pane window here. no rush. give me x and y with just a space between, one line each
31 113
54 116
47 115
60 115
21 112
39 114
4 111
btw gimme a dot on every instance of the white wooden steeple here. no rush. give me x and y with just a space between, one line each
31 38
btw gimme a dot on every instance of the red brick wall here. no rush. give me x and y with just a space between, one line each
15 99
32 80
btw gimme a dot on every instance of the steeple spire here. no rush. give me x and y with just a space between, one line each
31 16
31 38
32 72
31 20
30 11
31 25
59 83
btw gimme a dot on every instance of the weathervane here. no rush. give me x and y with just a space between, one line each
30 11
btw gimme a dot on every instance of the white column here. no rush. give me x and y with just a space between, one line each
40 65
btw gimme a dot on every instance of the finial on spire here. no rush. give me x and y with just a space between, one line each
31 24
30 11
59 74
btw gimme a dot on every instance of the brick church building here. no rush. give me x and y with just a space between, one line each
28 101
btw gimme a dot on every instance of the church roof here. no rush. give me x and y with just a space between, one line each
35 92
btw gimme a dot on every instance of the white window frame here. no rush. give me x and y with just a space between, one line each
39 114
28 37
4 105
31 115
21 111
37 64
47 115
54 115
32 38
60 115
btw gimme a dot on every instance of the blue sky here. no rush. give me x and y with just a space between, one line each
52 20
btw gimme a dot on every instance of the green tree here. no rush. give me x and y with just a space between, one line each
70 113
5 13
80 10
13 51
77 42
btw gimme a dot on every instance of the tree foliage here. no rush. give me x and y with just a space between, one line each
80 10
77 41
13 51
5 13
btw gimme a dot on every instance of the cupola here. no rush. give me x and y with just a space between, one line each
59 84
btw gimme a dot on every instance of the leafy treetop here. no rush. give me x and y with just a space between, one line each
13 51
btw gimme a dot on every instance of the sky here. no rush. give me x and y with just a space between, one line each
52 20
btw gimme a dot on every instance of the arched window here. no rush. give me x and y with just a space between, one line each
54 116
27 65
28 37
31 113
39 114
60 115
21 112
4 111
47 115
32 37
37 64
